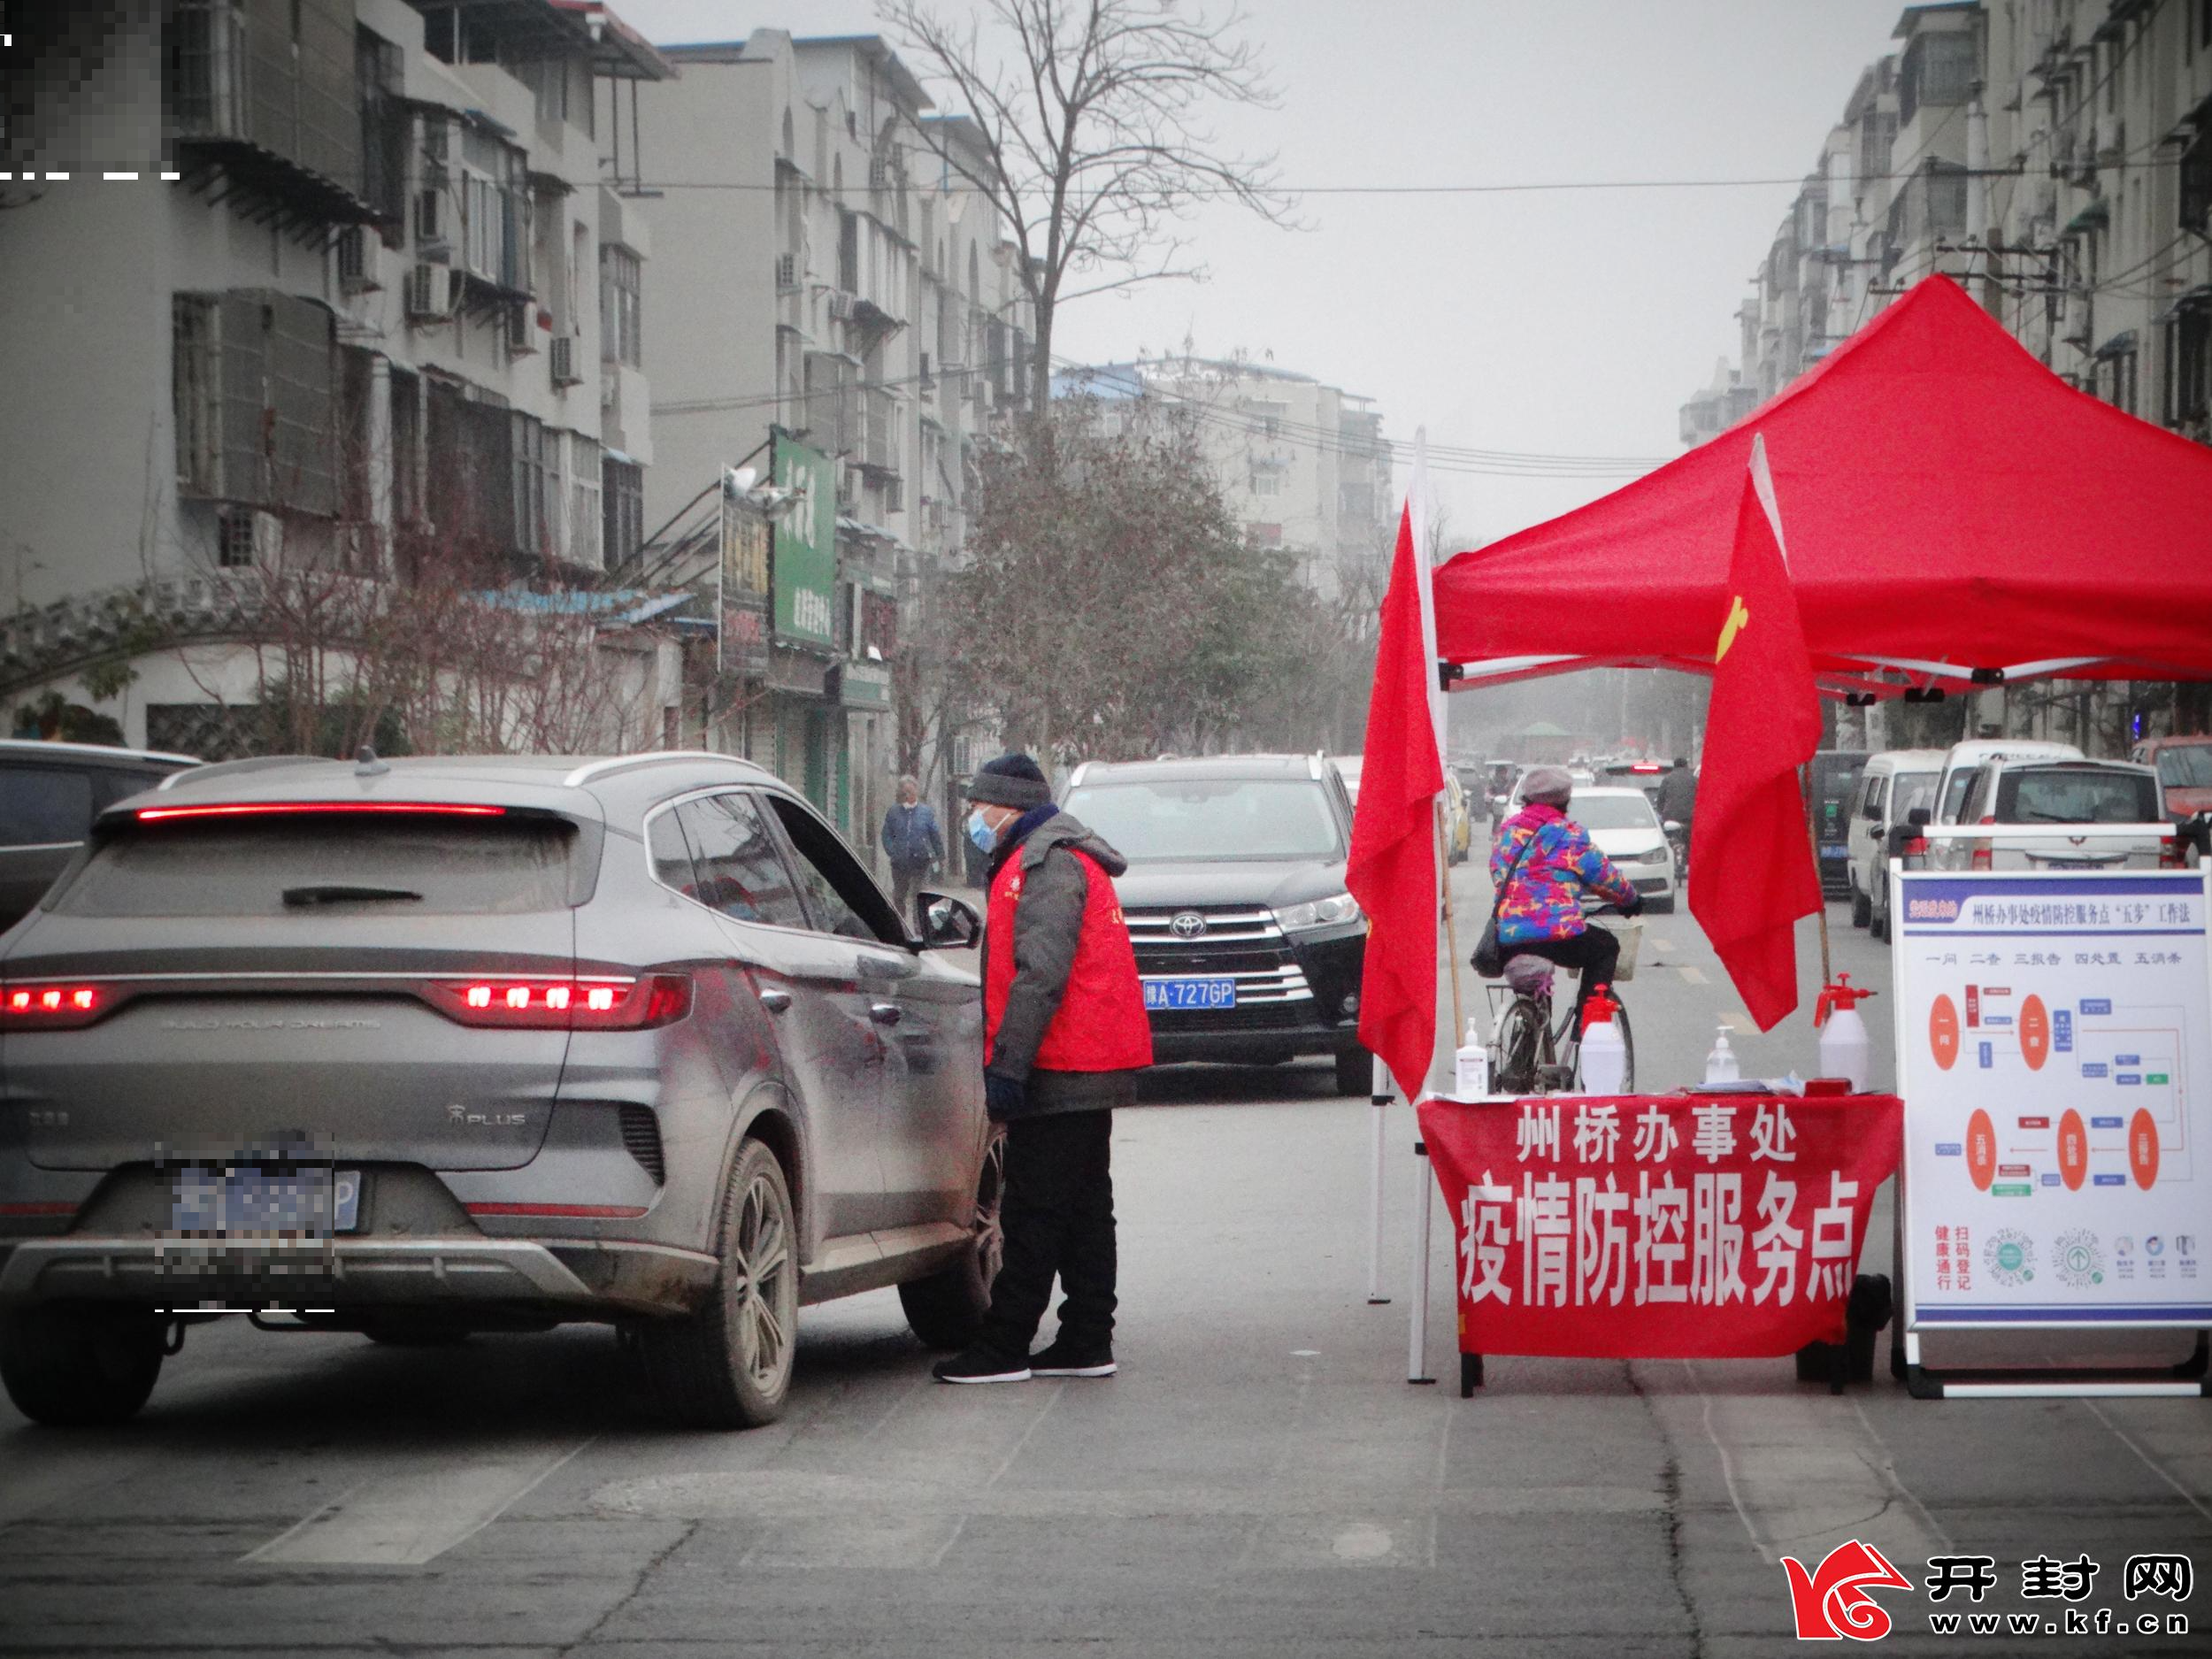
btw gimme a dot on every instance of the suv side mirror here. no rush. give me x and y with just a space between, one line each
1920 817
946 924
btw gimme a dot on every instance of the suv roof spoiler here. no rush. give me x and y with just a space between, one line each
252 762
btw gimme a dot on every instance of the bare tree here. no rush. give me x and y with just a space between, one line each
1089 118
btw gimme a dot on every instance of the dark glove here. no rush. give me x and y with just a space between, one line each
1003 1097
1633 905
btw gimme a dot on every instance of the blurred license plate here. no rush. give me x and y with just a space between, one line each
1833 850
306 1203
2077 864
1210 992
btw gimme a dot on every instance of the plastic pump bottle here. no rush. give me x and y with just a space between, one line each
1846 1051
1720 1063
1604 1056
1471 1073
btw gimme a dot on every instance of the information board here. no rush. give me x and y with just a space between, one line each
2054 1053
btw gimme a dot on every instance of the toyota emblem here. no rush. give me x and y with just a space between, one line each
1188 925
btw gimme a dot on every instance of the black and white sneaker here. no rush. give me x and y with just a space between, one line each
1062 1359
980 1364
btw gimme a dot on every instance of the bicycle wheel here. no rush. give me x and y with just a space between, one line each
1520 1036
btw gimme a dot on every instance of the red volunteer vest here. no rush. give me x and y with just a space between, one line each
1101 1024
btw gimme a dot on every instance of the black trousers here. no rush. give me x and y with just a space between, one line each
1058 1210
1592 952
906 881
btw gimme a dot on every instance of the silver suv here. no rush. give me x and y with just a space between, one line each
426 1047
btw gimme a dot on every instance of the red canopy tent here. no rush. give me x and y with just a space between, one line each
1954 513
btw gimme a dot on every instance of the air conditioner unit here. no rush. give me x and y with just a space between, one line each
432 223
879 173
357 266
436 144
840 306
563 358
894 493
786 271
522 329
430 292
246 536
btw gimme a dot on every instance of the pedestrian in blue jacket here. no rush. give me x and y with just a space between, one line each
911 841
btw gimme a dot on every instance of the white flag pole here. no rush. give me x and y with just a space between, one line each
1382 1088
1418 506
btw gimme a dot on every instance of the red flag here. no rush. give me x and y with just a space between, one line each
1393 871
1751 862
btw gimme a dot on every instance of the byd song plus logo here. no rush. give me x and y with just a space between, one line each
1832 1603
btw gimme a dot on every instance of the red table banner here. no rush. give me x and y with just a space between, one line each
1658 1226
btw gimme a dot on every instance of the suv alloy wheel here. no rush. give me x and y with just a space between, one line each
728 1366
946 1309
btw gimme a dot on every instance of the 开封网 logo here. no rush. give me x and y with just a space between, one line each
1833 1602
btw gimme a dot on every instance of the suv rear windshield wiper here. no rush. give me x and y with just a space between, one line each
336 892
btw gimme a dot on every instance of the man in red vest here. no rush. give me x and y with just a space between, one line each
1064 1036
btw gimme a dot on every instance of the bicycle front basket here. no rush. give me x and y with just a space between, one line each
1630 931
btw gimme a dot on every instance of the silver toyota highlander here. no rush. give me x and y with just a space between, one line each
424 1046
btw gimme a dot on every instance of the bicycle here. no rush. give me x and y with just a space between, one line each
1527 1056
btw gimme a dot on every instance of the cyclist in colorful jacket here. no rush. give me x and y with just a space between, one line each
1066 1035
1548 862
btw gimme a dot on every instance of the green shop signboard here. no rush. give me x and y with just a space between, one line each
806 546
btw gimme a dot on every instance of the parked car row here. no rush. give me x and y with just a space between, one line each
2027 784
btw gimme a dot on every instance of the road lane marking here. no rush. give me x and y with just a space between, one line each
1695 974
406 1520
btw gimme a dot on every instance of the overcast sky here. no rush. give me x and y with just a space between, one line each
1560 322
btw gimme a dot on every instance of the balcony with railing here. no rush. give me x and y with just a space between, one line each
271 101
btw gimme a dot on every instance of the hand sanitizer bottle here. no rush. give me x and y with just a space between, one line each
1471 1077
1720 1063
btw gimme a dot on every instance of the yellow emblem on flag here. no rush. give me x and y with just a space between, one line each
1738 619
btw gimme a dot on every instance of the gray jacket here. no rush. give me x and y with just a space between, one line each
1048 927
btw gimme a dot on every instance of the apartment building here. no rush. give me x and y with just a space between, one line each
1302 465
2055 156
835 307
311 286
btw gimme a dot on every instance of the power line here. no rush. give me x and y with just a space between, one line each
1515 187
1495 463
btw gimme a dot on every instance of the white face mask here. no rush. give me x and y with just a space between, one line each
979 831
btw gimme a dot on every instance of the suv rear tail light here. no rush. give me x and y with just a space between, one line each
50 1007
610 1004
1984 853
2173 853
318 809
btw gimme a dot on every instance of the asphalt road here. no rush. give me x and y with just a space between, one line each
1260 1480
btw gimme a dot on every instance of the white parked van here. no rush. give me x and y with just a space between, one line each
2093 794
1895 782
1965 759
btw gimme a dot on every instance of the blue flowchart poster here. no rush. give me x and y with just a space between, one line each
2055 1054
